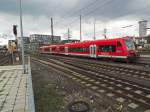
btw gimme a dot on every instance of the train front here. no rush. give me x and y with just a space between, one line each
132 55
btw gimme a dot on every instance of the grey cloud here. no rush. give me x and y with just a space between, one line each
66 8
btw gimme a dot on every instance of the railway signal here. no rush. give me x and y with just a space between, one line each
15 30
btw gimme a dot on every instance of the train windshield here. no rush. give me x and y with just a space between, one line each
130 45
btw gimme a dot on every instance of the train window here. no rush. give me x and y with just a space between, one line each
53 49
118 44
47 49
107 48
112 48
78 49
62 49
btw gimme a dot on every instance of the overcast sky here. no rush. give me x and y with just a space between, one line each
110 14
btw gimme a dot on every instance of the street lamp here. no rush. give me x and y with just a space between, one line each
22 43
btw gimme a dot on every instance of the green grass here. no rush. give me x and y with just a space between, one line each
46 97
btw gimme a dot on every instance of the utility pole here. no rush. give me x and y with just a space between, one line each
52 33
105 33
80 29
68 34
21 30
94 29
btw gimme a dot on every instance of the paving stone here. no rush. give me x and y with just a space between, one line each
10 85
133 105
120 99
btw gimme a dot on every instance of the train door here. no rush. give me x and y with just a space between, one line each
93 50
50 49
66 50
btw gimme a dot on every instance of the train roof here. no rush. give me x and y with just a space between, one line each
95 41
84 43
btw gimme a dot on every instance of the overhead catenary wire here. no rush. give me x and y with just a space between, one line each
78 11
106 2
76 19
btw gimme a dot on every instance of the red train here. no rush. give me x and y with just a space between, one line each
119 48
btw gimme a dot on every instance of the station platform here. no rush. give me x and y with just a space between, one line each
16 94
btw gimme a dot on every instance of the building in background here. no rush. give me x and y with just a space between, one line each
37 40
69 41
26 41
45 39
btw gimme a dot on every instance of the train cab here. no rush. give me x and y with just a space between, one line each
131 51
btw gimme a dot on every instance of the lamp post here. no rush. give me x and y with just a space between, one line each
22 43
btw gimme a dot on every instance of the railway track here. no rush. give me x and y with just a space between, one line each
4 60
132 72
144 61
103 82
